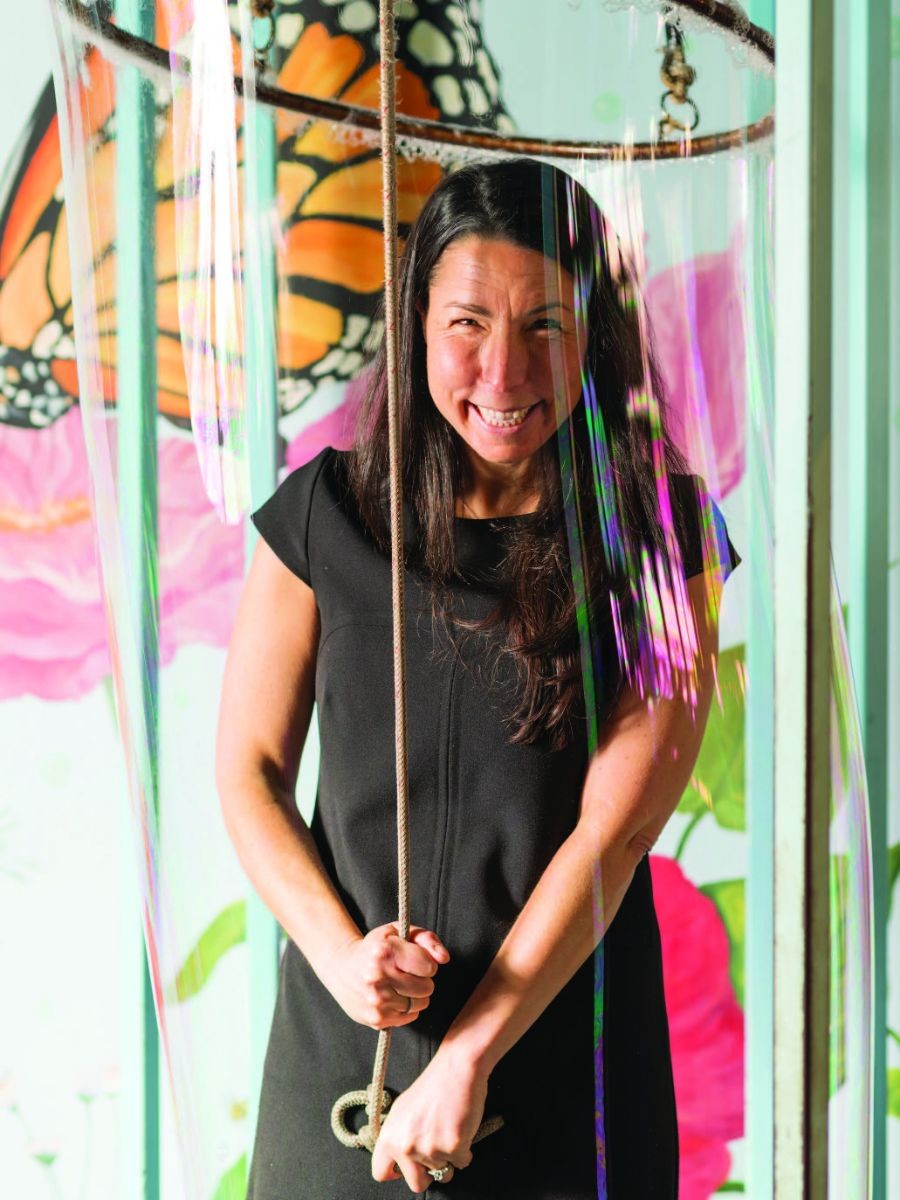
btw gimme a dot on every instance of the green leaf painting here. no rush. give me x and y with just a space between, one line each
728 897
226 930
233 1184
893 1091
717 784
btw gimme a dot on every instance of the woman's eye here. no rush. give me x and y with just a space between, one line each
547 325
467 321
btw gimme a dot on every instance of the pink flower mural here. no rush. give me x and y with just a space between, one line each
696 309
335 429
52 633
52 630
53 641
706 1028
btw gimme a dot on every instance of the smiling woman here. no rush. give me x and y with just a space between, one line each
518 341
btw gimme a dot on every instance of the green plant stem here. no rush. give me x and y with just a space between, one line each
689 829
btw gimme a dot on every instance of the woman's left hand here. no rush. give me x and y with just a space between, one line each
431 1124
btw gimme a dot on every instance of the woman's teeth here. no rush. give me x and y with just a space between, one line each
504 420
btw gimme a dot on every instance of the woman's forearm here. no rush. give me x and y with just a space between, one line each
278 852
555 932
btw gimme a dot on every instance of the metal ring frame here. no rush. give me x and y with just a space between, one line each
104 32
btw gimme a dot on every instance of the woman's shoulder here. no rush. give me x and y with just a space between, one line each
324 463
321 478
701 526
295 510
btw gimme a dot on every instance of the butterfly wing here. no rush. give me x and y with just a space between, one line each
37 378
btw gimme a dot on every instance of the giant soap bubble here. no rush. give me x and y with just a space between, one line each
224 228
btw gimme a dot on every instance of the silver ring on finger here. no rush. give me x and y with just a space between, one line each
409 1003
438 1174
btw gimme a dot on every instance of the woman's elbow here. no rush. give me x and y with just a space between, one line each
247 781
229 770
237 776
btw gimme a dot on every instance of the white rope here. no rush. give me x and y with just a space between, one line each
368 1135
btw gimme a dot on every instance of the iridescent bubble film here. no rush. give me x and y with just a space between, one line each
262 273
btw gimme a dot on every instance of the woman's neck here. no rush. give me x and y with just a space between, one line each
498 490
465 509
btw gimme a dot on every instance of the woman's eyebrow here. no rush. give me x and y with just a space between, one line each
550 304
469 307
486 312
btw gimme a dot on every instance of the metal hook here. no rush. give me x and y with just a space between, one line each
678 76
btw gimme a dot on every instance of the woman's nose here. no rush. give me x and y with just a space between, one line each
504 361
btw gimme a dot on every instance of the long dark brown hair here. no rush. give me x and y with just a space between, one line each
535 619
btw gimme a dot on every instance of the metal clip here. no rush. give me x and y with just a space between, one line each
678 75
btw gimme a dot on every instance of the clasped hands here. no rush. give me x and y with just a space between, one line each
382 980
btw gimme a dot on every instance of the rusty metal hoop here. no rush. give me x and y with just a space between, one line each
123 44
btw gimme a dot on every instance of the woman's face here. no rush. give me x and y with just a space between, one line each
501 346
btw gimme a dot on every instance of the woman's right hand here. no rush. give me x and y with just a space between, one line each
372 977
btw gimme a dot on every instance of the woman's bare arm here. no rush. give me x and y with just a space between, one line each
267 699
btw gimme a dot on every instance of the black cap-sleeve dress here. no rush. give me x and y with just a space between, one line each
486 818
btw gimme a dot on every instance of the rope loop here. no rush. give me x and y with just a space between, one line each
362 1098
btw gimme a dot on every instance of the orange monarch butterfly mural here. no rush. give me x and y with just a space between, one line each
330 252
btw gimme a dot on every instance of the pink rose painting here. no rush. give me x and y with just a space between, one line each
335 429
53 640
52 632
696 310
706 1028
